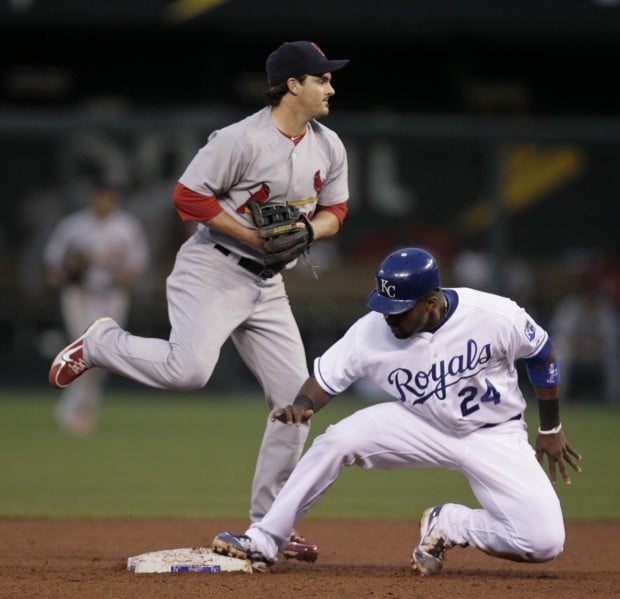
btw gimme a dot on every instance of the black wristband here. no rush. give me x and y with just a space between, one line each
549 413
304 401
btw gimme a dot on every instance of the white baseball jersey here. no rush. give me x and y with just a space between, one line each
459 376
252 160
111 244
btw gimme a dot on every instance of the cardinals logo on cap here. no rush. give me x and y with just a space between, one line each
315 45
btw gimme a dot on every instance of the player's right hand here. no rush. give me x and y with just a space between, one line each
558 453
292 414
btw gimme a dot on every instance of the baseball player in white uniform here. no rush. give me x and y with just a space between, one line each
93 255
218 288
447 356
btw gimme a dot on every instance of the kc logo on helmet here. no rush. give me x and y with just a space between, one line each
387 289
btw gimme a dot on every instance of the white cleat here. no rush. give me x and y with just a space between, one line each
428 556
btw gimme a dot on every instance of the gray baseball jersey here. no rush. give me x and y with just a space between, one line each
251 159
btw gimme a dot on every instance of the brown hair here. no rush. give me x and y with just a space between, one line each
275 93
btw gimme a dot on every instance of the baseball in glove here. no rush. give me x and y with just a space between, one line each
284 240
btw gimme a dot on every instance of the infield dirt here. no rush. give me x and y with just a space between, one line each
88 558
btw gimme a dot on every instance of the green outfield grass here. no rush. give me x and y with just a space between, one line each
159 454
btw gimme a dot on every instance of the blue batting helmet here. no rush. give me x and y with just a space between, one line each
402 279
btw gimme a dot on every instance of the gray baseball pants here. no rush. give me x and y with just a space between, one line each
211 298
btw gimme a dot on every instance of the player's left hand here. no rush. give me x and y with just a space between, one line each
292 414
558 453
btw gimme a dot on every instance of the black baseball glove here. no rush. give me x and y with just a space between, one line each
284 240
75 265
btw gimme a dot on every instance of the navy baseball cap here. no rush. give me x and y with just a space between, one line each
402 279
294 59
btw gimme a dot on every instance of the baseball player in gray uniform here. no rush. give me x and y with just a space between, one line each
218 287
447 356
93 256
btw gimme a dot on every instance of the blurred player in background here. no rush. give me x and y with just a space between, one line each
586 328
93 256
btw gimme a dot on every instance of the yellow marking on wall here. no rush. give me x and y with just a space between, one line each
531 173
183 10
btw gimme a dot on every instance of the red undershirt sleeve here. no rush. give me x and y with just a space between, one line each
338 210
194 206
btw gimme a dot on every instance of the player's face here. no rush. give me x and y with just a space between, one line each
315 95
419 318
103 203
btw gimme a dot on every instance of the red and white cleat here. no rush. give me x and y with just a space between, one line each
70 363
301 549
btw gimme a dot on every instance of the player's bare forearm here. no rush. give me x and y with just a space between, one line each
226 224
310 399
325 224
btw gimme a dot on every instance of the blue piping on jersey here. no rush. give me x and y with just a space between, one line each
317 375
453 302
